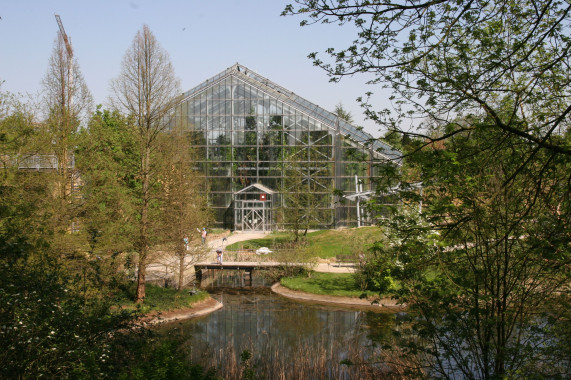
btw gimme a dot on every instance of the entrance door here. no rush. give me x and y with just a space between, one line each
254 216
253 220
253 208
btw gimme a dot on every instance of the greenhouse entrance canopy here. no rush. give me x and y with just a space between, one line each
253 209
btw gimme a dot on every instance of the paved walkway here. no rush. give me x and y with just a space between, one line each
221 241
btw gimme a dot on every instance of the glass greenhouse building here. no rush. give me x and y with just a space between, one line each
272 158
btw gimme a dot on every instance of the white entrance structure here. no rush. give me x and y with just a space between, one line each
253 209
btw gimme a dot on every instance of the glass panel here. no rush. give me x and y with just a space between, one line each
239 107
227 88
238 183
202 104
311 125
238 89
197 138
276 122
271 153
318 152
354 154
273 107
224 138
213 136
214 107
220 183
220 199
245 154
223 169
272 183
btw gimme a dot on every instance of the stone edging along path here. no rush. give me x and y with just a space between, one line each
210 305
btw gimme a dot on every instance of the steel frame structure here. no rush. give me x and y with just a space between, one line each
248 130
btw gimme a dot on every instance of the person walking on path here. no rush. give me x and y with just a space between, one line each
203 235
219 256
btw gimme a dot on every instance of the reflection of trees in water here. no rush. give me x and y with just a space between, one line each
282 334
378 326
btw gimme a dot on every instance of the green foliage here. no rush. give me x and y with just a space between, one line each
484 264
48 330
58 317
304 203
248 369
108 156
183 202
149 357
479 265
17 134
342 113
447 60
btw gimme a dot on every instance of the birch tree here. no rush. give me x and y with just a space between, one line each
146 89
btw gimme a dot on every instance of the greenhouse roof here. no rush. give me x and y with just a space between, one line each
280 93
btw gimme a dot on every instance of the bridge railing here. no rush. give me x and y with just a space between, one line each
250 255
33 162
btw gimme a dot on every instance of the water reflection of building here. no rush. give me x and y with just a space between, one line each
251 131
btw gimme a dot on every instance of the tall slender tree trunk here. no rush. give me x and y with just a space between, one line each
142 273
181 269
144 231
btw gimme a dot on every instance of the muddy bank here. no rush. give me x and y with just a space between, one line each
198 309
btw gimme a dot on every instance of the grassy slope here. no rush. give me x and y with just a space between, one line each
160 299
324 244
331 284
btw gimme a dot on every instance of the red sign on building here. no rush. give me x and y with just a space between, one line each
263 196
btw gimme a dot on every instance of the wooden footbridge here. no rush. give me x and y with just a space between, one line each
247 267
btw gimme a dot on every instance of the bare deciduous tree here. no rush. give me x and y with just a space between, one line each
147 90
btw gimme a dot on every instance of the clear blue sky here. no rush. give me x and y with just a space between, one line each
202 37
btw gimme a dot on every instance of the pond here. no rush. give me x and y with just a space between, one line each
285 338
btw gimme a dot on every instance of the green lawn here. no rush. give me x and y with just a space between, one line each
271 241
160 299
324 244
331 284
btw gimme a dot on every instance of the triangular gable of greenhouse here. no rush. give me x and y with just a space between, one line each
257 186
279 93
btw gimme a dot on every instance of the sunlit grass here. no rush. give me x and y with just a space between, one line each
331 284
159 298
324 244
